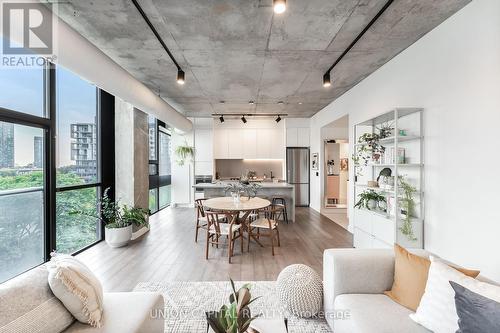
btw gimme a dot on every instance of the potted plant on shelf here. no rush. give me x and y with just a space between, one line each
118 220
407 204
235 317
370 200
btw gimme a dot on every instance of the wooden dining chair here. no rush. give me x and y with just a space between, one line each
268 223
218 231
201 219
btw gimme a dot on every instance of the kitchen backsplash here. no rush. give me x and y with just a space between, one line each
235 168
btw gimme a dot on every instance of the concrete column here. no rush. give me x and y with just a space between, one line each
131 155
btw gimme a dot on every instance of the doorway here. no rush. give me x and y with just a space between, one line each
335 182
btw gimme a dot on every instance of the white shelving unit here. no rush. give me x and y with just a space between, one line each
382 228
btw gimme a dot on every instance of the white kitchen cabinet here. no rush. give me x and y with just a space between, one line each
256 140
292 137
205 168
278 148
221 144
303 137
297 137
249 143
235 143
263 143
203 139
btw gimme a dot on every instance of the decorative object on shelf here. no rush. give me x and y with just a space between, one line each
300 290
402 132
183 153
242 188
407 203
344 164
330 164
392 158
369 199
315 161
384 172
385 130
372 183
118 220
235 317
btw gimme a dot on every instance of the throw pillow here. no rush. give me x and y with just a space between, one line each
77 288
476 313
437 311
410 277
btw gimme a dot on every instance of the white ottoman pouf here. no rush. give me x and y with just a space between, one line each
300 290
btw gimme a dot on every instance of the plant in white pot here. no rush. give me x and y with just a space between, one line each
118 220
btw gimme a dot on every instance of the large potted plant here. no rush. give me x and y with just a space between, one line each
235 317
118 220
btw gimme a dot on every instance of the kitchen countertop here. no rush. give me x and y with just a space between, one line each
224 184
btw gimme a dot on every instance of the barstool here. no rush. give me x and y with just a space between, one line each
277 201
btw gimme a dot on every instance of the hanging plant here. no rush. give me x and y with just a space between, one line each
407 204
368 149
183 153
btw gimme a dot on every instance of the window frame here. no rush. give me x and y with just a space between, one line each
157 181
104 155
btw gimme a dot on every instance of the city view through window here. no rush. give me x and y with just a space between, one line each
23 168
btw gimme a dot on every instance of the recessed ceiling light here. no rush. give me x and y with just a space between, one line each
180 77
326 80
300 103
279 6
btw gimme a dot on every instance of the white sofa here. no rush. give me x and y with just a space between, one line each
28 305
354 281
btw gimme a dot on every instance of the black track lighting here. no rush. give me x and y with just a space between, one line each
221 118
180 77
243 119
326 77
278 119
326 80
180 73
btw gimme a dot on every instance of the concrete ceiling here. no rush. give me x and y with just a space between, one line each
238 50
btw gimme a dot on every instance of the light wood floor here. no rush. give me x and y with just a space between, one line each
168 252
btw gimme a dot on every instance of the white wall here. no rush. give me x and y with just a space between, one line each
182 175
454 73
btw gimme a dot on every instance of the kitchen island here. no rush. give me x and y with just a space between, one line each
267 190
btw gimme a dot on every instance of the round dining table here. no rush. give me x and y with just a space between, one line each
243 205
246 205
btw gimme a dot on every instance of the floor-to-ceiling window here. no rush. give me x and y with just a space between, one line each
160 171
78 177
50 164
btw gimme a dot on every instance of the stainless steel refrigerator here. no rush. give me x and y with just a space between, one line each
297 169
